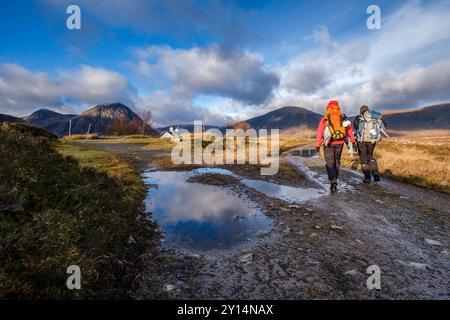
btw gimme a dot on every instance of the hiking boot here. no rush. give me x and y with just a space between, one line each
366 176
333 187
376 177
366 173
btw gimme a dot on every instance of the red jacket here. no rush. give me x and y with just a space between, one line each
321 130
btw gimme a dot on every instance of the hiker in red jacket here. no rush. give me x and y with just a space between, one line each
333 132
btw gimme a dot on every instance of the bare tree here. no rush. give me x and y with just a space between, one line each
123 126
146 123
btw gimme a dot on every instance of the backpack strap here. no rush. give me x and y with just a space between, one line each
330 123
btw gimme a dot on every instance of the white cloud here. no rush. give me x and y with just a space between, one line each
179 77
403 65
307 78
416 86
170 107
326 72
238 75
23 91
322 36
414 34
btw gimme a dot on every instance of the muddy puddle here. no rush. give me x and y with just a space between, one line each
273 190
202 218
213 219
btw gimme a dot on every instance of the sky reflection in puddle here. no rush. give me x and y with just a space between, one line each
202 217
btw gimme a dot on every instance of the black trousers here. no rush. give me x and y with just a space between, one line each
368 162
332 154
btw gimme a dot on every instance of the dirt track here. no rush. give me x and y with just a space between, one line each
322 248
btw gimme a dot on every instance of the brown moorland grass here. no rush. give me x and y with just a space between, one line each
288 139
295 137
420 158
81 137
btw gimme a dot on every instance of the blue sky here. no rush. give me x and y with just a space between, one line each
222 60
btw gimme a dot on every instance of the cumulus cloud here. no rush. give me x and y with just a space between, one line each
238 75
403 65
22 90
91 85
415 86
306 78
178 77
322 73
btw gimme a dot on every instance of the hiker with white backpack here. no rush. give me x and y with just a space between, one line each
370 128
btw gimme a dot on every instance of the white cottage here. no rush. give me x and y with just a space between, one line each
167 135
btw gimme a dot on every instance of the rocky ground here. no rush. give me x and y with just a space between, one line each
321 249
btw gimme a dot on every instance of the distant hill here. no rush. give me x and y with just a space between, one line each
52 121
45 117
7 118
111 111
285 118
99 117
432 117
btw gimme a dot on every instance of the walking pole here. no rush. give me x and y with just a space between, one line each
70 128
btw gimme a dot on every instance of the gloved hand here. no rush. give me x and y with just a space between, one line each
318 149
355 147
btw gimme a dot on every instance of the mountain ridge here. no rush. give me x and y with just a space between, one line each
430 117
45 117
8 118
284 118
94 120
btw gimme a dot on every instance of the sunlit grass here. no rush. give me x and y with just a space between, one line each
82 137
420 159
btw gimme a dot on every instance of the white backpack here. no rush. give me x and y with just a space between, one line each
371 128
